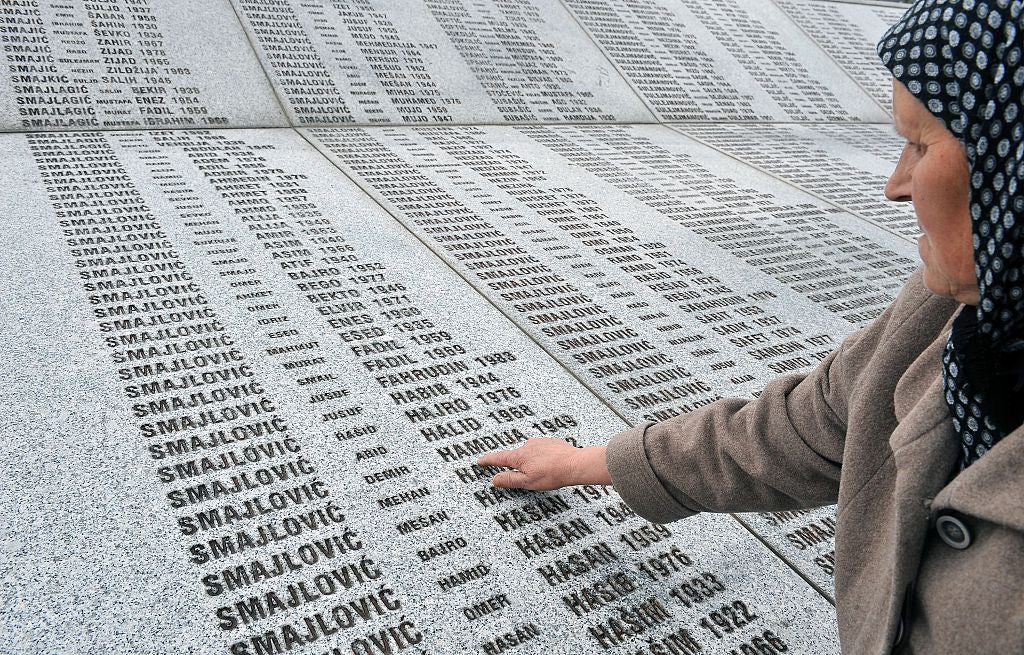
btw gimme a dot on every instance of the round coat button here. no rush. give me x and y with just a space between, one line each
953 531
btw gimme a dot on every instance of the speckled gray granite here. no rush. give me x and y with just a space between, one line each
131 64
696 276
241 405
848 32
739 60
409 63
847 165
244 382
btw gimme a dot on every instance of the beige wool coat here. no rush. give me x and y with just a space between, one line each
869 429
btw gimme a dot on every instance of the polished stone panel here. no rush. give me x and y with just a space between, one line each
245 373
437 61
692 60
129 64
848 32
847 165
242 405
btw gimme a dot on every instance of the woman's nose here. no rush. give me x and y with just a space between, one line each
898 187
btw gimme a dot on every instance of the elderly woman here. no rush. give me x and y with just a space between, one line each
913 425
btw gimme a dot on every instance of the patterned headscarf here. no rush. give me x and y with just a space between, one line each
963 60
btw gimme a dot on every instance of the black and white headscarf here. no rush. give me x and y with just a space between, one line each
963 60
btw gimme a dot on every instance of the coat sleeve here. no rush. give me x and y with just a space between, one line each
783 450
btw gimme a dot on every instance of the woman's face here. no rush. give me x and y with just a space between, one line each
932 173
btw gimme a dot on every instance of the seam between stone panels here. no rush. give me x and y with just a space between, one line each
814 194
829 54
462 277
608 58
259 62
668 124
806 578
481 124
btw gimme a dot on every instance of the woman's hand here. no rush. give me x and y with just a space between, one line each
545 464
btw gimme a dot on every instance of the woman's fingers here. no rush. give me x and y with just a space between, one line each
543 464
540 465
510 458
510 480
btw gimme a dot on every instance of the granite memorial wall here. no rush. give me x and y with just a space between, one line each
279 271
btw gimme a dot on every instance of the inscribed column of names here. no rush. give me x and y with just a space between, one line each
847 165
300 391
848 32
743 60
437 61
129 64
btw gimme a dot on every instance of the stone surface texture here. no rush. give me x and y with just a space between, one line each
278 272
130 65
739 60
846 165
848 32
395 62
681 308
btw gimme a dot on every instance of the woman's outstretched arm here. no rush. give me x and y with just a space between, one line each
782 450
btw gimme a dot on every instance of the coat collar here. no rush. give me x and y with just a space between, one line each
926 448
917 385
924 444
